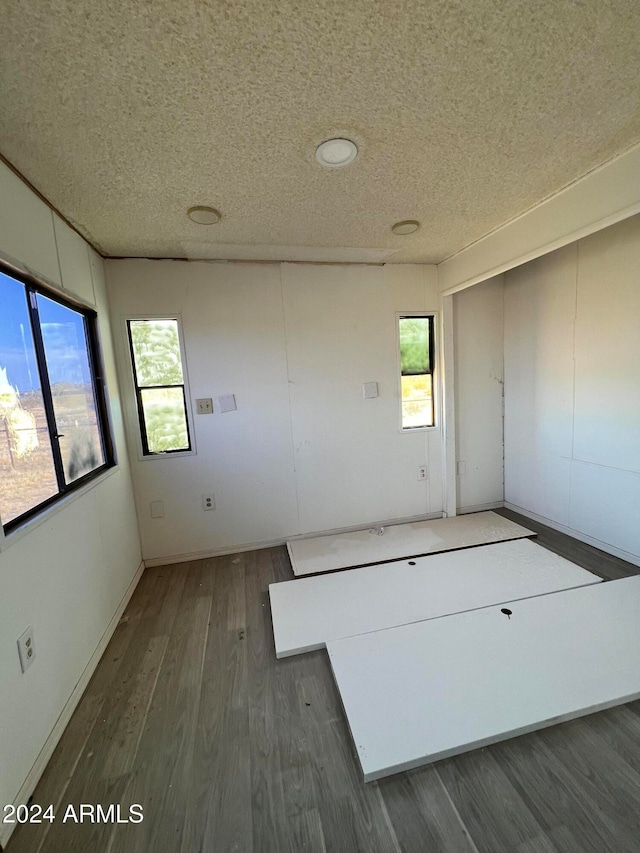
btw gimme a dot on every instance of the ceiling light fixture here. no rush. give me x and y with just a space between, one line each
335 153
204 215
407 226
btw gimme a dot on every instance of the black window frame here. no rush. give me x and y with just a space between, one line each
146 452
33 287
431 318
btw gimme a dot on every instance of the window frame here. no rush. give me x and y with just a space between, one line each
34 286
432 316
137 412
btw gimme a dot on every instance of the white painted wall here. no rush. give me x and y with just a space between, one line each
478 360
66 573
304 452
572 388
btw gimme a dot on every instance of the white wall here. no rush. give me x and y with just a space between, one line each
66 573
572 388
478 360
304 452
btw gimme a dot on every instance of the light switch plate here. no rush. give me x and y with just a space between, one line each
204 406
226 403
370 390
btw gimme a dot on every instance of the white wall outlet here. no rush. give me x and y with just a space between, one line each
422 472
26 649
157 509
208 502
369 390
461 468
226 403
204 406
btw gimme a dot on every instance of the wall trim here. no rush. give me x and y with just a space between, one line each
582 537
170 559
464 510
274 543
33 777
51 206
605 195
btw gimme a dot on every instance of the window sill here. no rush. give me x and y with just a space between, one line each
8 539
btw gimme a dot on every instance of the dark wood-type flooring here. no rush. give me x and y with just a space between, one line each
190 715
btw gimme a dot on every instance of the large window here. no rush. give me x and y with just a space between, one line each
416 369
160 385
54 433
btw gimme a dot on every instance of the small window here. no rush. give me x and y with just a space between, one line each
416 368
160 385
54 432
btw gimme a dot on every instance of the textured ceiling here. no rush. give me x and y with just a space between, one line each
466 113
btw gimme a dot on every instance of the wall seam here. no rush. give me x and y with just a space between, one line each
573 393
55 240
504 395
286 358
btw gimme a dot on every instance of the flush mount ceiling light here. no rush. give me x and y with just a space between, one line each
335 153
204 215
407 226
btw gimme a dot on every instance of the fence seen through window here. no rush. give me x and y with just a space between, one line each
54 433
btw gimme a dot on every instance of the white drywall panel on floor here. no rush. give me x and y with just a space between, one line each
361 547
607 348
423 692
478 336
307 613
353 464
605 504
26 227
539 306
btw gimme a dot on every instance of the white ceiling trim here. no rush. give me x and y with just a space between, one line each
601 198
209 251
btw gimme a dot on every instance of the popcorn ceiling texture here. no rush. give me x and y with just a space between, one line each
466 113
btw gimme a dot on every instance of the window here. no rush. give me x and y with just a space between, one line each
54 433
416 369
160 386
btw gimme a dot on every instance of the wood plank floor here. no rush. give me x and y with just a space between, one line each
190 715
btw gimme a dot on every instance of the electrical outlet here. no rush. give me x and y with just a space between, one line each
461 468
26 649
208 502
422 472
157 509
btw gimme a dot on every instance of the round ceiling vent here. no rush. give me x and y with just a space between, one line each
204 215
335 153
407 226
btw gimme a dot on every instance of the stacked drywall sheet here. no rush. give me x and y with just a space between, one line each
309 612
422 692
381 544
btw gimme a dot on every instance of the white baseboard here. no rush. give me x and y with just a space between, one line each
215 552
273 543
582 537
33 777
384 523
464 510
